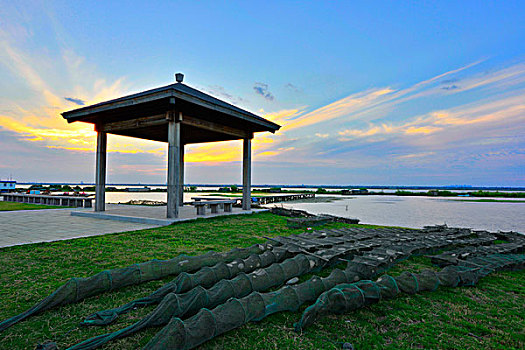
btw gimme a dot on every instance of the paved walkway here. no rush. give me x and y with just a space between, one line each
154 215
47 225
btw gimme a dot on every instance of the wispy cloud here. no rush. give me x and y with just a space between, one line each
292 87
76 101
262 89
510 109
221 93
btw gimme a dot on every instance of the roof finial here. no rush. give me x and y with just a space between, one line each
179 77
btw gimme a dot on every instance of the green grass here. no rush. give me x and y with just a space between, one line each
8 206
489 315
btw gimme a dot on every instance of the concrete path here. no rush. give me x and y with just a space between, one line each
154 215
47 225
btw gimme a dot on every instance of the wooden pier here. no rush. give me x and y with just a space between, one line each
65 201
261 200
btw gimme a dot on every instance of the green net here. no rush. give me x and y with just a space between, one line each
199 298
205 277
77 289
209 323
319 244
216 292
347 297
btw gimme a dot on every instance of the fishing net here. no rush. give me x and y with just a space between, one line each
209 323
368 253
200 298
455 256
205 277
347 297
208 276
216 292
77 289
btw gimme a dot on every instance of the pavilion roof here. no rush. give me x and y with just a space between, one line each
196 105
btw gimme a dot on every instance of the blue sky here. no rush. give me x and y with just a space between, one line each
367 92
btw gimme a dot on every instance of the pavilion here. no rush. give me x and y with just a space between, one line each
176 114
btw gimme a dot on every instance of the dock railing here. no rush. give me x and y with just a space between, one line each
65 201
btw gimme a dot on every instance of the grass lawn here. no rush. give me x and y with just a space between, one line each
490 315
8 206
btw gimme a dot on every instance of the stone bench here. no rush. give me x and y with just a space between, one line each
227 204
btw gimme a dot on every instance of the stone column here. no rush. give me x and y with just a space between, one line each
100 175
247 174
173 166
181 188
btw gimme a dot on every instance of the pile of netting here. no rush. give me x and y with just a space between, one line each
217 292
77 289
207 324
347 297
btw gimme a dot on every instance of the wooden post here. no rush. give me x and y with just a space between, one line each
100 175
181 188
246 174
173 165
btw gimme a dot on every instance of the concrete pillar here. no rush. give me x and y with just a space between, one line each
181 180
100 175
173 167
247 174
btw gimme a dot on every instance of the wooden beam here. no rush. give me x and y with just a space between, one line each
247 174
100 174
173 169
211 126
164 119
154 120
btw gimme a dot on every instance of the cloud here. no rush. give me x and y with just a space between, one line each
75 101
416 155
449 81
461 121
292 87
341 108
221 93
262 89
283 116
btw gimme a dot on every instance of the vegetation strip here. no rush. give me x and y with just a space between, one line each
10 206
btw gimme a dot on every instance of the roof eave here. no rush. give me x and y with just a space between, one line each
81 113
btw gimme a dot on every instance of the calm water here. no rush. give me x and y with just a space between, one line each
393 210
417 212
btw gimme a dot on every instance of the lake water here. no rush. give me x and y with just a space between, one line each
392 210
409 211
417 212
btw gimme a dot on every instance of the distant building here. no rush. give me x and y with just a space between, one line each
355 191
7 185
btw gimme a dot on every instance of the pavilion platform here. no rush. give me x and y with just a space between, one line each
154 215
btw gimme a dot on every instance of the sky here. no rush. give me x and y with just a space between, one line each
367 92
